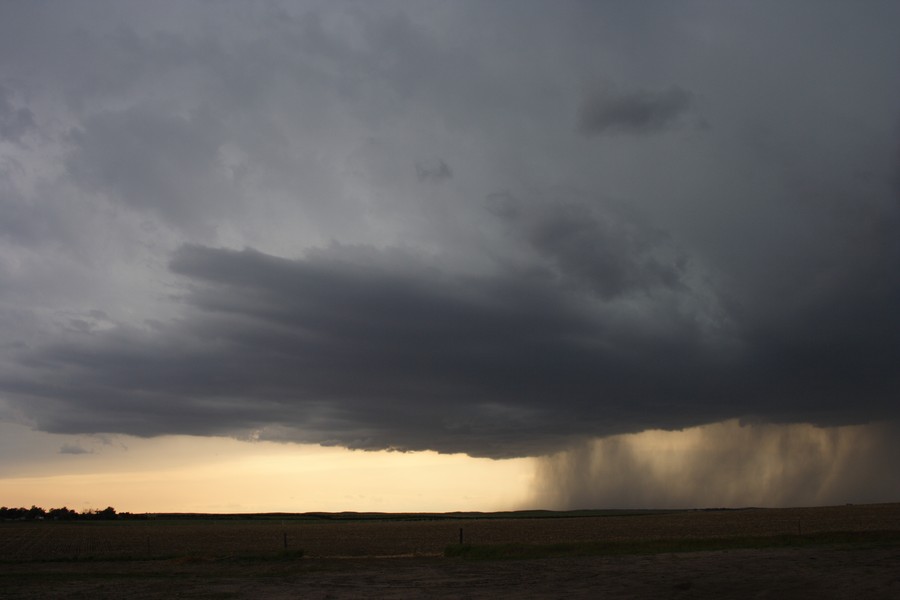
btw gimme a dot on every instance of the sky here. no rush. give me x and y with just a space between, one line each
425 255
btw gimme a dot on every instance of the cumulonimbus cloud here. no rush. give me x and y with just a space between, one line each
139 156
377 349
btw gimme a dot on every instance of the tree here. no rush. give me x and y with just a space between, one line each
35 512
107 513
61 514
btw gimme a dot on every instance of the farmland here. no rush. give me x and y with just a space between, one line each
40 559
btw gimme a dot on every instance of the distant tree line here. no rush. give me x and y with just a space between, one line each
36 513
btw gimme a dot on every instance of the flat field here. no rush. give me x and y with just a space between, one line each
832 552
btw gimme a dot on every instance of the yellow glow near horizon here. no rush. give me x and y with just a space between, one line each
221 475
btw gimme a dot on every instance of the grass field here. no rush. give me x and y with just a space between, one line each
431 535
814 553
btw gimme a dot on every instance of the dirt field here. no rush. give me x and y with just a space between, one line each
403 559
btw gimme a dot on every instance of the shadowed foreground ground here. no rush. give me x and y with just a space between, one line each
815 553
814 573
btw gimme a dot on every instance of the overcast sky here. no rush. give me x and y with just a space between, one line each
495 228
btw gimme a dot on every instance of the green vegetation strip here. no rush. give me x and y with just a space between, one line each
615 548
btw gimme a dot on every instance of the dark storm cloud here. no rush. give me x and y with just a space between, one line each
15 121
378 349
639 112
434 171
604 247
159 163
21 222
361 348
748 272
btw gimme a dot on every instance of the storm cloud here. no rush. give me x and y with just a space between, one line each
376 349
242 220
433 170
368 349
15 122
638 112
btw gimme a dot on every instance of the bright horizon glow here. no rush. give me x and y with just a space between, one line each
224 475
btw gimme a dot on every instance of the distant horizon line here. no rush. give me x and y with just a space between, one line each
91 514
